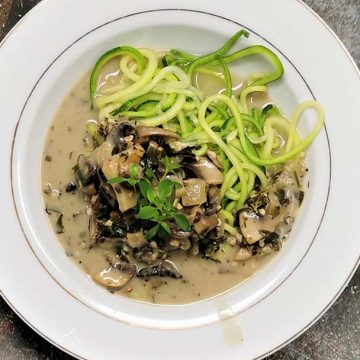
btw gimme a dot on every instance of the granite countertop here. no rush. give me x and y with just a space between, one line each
336 336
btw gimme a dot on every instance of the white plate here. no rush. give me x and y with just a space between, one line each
42 58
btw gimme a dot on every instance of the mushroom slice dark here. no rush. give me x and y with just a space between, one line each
206 170
84 170
284 227
105 186
115 277
155 152
93 229
121 134
59 227
165 268
205 224
180 239
194 213
214 200
148 131
254 227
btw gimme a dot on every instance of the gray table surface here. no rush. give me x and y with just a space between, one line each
336 336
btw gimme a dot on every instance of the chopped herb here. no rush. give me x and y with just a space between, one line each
59 227
170 166
297 178
300 196
48 158
49 211
157 207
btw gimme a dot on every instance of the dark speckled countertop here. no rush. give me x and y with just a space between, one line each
336 336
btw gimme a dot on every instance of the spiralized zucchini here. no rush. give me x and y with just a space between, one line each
161 92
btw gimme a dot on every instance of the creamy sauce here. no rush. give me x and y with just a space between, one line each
66 140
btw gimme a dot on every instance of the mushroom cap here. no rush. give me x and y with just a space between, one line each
116 276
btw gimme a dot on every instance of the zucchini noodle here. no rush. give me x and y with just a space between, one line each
248 141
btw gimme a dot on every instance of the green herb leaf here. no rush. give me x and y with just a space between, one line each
152 232
165 226
144 185
177 185
133 171
150 174
148 213
182 222
152 197
120 179
170 166
165 188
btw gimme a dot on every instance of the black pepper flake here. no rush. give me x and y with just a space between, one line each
70 187
48 158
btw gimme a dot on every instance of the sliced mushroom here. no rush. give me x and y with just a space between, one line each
183 244
126 198
93 230
205 224
214 158
180 239
214 200
105 186
180 235
134 154
164 269
89 190
155 152
243 254
254 227
59 227
121 134
284 227
148 131
195 192
85 170
104 152
206 170
115 277
136 240
148 254
111 167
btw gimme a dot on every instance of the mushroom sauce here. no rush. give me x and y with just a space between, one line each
184 273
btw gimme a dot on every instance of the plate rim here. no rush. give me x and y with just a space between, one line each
14 185
325 309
